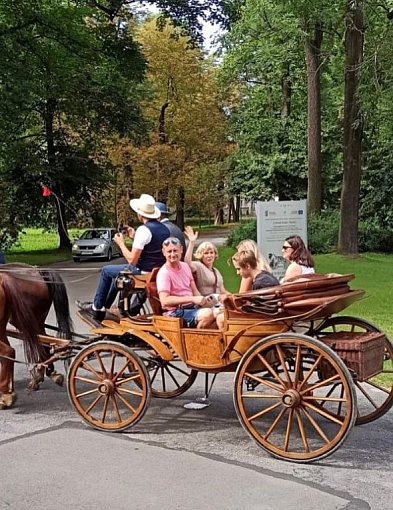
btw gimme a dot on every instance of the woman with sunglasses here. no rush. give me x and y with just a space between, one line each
300 259
262 264
208 279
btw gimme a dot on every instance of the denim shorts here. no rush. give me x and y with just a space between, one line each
189 315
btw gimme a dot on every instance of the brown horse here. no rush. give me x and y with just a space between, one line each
26 295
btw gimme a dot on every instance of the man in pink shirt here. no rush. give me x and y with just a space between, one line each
178 293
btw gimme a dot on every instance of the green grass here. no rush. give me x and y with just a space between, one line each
374 274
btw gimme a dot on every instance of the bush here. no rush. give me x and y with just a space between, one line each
245 231
323 231
323 234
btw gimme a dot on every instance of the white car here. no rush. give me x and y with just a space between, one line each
95 243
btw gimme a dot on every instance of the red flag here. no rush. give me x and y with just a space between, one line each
46 192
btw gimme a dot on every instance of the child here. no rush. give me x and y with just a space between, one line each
246 266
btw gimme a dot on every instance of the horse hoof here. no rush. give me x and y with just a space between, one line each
7 400
33 386
57 378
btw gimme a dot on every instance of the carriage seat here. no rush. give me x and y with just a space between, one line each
152 294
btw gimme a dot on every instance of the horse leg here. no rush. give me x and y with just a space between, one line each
7 395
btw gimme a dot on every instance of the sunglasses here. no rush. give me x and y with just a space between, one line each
286 247
171 241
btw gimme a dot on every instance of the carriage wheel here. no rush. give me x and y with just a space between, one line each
279 389
109 386
168 379
375 395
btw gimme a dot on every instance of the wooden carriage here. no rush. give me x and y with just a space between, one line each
298 371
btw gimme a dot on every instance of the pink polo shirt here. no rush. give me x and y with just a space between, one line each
175 281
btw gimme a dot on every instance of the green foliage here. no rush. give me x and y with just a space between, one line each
323 231
244 231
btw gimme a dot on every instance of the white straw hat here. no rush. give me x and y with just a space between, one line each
145 205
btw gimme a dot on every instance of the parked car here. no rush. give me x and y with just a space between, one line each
95 243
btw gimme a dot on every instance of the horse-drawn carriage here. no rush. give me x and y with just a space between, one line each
303 378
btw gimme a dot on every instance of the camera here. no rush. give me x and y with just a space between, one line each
123 229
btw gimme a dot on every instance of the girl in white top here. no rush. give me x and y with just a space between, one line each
299 257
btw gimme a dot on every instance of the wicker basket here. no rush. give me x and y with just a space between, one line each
361 352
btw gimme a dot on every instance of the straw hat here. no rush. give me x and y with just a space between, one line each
145 205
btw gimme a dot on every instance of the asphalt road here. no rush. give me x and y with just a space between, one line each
174 458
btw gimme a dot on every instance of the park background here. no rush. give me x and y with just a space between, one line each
101 101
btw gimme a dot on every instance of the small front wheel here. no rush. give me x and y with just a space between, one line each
109 386
109 256
295 397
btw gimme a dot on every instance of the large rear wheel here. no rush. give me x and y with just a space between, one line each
295 397
109 386
375 395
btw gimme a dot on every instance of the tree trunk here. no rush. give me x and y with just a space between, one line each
180 208
236 209
219 218
312 49
286 86
353 130
49 115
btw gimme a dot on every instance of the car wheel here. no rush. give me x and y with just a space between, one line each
109 256
76 259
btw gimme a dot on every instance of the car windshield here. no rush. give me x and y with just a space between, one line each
95 234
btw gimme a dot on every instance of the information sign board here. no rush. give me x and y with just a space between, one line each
275 222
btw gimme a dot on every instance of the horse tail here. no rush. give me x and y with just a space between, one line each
19 306
58 293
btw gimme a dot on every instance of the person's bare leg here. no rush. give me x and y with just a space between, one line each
205 318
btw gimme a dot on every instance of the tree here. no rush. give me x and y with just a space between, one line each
353 130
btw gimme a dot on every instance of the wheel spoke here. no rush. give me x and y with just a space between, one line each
130 392
163 380
315 425
86 380
275 422
320 384
116 407
89 368
260 395
367 395
271 370
264 381
264 411
172 376
104 409
121 371
157 368
93 404
85 393
282 361
127 379
302 430
325 399
310 372
126 403
100 362
325 414
174 367
298 363
112 365
288 430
